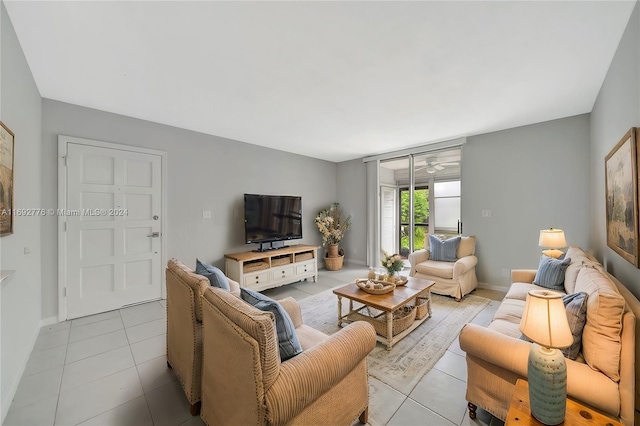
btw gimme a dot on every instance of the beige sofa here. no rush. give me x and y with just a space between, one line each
245 383
455 279
184 327
603 376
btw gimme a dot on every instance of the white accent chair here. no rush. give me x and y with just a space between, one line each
455 279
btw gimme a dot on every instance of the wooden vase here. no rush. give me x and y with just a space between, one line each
333 250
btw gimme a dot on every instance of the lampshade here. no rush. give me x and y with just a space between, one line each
552 238
545 320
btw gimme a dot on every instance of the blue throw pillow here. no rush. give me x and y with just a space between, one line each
576 306
215 275
443 250
551 273
288 342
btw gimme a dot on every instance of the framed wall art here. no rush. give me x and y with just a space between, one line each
621 182
6 180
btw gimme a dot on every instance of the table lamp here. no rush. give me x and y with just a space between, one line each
553 239
545 323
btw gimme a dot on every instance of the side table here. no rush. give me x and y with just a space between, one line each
577 414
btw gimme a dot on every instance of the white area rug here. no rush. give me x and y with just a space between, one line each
411 358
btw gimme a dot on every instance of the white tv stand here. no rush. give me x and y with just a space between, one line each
262 270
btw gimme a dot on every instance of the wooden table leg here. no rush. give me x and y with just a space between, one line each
339 311
389 330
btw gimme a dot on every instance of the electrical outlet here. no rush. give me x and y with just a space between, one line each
486 213
206 214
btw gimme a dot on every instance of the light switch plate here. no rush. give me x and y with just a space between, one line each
206 214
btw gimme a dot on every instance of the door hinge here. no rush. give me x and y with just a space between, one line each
64 292
65 160
65 226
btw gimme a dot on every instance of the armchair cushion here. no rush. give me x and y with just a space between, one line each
434 267
216 276
551 273
288 343
444 250
467 246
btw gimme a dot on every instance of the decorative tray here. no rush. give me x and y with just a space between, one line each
375 286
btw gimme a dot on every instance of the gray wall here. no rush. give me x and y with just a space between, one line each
204 173
352 196
531 177
617 109
20 311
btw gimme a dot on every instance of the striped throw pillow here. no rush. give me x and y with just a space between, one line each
445 251
551 272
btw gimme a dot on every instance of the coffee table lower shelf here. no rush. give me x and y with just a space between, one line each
384 323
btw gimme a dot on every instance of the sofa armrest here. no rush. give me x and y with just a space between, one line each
305 377
512 355
417 257
463 265
495 348
523 275
293 309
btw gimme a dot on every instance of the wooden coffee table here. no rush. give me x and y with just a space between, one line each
388 303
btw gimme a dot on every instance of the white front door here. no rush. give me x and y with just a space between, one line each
113 228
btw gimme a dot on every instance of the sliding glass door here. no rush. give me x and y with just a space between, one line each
419 194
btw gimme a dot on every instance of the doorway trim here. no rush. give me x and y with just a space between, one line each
63 142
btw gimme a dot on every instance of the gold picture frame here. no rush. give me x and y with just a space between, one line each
6 180
621 189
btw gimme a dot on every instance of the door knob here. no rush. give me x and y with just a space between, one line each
154 235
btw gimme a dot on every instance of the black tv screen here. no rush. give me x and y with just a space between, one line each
269 218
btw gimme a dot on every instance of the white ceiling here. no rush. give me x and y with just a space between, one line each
330 80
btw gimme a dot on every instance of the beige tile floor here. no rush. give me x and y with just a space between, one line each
110 369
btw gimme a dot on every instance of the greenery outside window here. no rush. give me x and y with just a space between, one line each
420 218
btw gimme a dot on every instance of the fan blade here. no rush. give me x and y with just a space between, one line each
438 167
449 164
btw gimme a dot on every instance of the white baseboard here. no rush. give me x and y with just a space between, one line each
49 321
488 286
11 393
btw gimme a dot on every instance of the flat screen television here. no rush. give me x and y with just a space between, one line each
271 219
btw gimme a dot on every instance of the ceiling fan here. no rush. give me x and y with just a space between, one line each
433 166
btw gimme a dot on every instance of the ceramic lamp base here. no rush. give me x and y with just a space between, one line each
555 253
547 371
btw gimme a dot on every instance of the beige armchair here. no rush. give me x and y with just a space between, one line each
245 383
454 279
184 327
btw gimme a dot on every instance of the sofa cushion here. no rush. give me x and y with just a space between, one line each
576 307
439 269
446 250
519 291
510 310
216 277
505 327
288 342
551 273
601 337
578 258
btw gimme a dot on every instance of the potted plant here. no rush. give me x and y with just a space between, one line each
332 225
